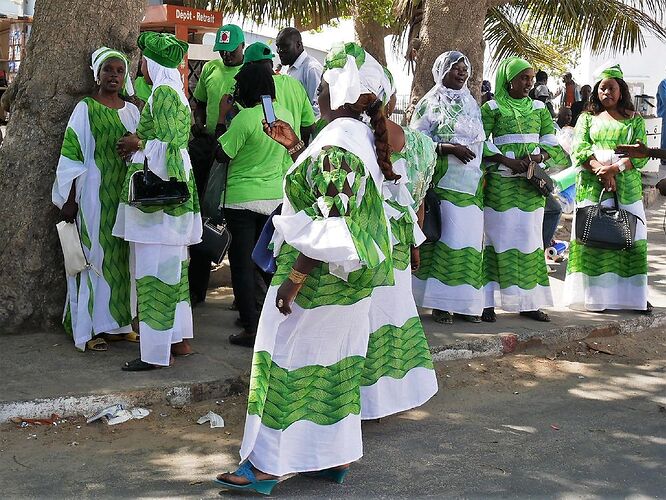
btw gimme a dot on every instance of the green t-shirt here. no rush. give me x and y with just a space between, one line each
215 81
292 95
257 161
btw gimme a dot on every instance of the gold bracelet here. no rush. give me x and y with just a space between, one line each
297 278
296 147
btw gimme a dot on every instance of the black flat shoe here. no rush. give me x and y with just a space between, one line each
489 315
136 365
244 339
537 315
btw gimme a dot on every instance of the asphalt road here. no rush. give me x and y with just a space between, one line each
540 425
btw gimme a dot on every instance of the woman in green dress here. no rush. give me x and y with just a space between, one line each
333 249
159 235
519 131
450 279
599 279
89 179
399 373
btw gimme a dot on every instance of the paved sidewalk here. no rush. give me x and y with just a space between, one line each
42 372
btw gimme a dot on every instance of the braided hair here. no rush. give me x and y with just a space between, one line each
374 108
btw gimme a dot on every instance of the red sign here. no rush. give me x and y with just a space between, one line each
194 17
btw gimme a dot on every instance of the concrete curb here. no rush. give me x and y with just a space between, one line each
182 394
88 405
506 343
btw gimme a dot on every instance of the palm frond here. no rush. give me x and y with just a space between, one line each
309 11
520 27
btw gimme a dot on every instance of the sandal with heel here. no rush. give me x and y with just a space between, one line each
335 474
263 486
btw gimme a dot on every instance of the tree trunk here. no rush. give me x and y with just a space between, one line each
52 78
371 36
450 25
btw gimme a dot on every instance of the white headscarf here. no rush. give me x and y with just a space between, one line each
103 54
454 115
350 72
161 75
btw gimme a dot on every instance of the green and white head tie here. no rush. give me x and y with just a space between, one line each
104 54
608 70
388 86
350 72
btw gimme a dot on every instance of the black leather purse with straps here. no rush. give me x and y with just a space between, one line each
611 228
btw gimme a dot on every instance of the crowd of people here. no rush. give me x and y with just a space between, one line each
336 332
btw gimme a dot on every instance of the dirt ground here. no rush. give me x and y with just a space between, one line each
193 452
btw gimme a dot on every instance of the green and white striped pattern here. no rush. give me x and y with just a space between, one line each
515 271
599 279
305 396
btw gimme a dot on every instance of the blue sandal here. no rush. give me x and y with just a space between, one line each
335 474
245 470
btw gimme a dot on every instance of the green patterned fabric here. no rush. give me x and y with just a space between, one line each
323 395
512 267
455 197
107 129
395 350
452 267
323 289
504 193
157 300
71 148
167 120
597 261
595 133
321 184
538 122
420 158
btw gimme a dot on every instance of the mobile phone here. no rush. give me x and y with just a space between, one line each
269 111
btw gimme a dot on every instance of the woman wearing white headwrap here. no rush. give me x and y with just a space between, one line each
450 277
161 234
333 249
399 373
89 179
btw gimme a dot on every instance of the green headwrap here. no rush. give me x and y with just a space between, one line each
163 48
609 72
507 71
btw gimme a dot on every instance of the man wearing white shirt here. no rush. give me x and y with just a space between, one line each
302 66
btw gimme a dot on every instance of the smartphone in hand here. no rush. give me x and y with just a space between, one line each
269 111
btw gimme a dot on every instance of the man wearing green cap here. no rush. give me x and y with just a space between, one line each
217 77
288 91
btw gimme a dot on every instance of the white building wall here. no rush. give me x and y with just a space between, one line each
642 70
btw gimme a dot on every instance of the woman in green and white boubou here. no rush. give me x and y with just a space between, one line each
89 180
450 278
159 236
333 248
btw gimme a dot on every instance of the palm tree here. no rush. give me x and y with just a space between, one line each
533 29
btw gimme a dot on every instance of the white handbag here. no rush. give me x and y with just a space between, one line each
72 250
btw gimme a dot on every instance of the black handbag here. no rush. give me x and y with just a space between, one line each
149 189
538 177
432 218
216 238
611 228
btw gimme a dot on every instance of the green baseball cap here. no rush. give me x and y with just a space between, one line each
228 38
258 51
